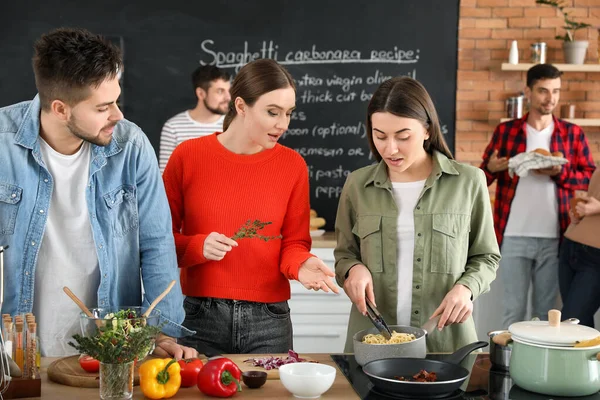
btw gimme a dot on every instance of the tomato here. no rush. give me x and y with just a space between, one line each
89 364
190 368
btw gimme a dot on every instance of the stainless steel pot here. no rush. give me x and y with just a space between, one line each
499 355
365 353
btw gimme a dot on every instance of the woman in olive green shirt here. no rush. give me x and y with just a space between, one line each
414 232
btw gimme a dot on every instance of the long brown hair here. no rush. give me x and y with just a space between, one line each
407 98
255 79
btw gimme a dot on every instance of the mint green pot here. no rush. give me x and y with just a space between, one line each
555 371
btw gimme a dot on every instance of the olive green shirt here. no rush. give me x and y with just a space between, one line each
454 243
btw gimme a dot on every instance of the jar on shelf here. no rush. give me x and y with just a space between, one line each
514 107
538 53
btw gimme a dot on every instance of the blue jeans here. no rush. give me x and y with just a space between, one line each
238 327
525 261
579 279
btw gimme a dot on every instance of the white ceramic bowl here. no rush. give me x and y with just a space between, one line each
307 380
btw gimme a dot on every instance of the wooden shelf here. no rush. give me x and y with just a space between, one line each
576 121
562 67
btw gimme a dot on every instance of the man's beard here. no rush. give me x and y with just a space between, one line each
544 111
97 140
214 110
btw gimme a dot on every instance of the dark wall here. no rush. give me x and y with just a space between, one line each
165 40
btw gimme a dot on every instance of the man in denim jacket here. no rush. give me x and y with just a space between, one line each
82 203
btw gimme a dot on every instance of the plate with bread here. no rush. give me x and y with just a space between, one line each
522 163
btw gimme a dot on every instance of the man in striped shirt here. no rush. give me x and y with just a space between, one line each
211 85
531 213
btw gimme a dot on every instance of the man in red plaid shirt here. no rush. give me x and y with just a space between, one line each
531 213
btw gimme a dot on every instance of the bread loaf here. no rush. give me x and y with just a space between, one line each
543 152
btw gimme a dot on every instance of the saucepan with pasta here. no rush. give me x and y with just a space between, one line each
406 341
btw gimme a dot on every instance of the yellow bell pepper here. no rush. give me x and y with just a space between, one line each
160 378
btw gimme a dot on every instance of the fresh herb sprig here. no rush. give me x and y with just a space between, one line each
250 230
121 337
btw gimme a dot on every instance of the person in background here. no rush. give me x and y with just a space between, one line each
579 267
81 199
237 290
532 213
211 87
414 232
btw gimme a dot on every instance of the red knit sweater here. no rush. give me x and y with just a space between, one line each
211 189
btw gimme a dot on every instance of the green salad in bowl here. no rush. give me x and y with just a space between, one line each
117 335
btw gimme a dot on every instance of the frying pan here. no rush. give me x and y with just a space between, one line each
450 375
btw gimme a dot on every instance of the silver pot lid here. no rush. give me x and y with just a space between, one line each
552 332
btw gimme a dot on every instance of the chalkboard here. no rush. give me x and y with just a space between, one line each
337 51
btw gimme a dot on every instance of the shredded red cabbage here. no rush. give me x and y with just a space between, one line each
272 362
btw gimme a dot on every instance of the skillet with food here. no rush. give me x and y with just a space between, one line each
401 375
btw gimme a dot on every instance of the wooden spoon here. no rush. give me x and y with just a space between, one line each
158 299
82 306
78 302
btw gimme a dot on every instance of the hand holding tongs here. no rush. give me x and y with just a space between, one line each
378 320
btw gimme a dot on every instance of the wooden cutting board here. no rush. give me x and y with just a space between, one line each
271 374
67 371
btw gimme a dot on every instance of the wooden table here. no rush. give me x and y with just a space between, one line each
273 389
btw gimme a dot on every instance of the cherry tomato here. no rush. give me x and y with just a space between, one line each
190 368
89 364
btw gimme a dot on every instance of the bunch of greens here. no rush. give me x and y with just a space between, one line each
121 337
570 25
250 230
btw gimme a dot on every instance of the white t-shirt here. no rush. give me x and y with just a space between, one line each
534 210
67 254
180 128
406 195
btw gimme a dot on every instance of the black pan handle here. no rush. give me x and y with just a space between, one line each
460 354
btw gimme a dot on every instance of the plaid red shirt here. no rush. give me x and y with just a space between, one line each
510 139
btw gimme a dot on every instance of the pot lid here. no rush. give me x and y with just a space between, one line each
552 332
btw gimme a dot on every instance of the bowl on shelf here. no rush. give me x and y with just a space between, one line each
307 380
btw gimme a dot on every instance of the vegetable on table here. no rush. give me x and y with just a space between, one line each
190 368
160 378
220 378
89 364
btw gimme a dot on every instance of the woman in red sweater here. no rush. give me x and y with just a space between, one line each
237 290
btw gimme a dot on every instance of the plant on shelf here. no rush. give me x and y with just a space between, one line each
570 25
574 50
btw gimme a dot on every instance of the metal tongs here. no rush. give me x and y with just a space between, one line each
378 320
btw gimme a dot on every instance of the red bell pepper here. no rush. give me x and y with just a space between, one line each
220 378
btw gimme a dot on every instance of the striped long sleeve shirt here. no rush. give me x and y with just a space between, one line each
180 128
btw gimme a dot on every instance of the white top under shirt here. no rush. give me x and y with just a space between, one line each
180 128
67 254
406 195
534 210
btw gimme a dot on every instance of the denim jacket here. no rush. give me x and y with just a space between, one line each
128 208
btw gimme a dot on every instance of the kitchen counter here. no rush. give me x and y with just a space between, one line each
273 389
327 240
